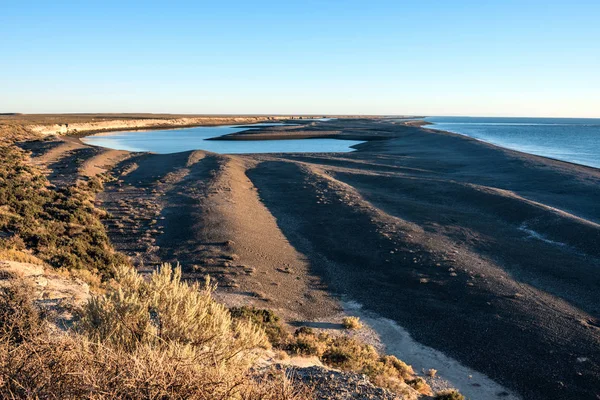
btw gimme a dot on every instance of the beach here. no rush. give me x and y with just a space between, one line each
487 255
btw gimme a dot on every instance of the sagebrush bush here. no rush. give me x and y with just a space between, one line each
163 310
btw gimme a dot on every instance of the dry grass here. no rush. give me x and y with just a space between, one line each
19 318
23 256
156 339
93 280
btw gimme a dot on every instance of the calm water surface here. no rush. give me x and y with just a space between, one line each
185 139
575 140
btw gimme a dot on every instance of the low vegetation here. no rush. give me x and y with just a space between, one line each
337 351
449 395
156 339
39 222
352 323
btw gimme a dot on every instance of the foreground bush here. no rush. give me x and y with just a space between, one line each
163 311
72 367
155 339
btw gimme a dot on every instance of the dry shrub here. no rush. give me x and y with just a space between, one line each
306 342
449 395
166 310
352 323
19 317
265 319
72 367
342 352
155 339
349 354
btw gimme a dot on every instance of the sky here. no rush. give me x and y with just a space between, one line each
461 57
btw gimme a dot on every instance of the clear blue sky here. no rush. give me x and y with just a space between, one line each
462 57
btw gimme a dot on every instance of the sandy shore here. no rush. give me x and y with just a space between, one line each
489 256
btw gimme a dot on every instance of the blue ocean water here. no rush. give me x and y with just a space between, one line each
177 140
575 140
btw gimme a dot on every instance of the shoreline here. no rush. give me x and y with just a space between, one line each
451 374
244 136
425 127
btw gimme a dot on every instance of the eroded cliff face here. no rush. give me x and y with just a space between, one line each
127 124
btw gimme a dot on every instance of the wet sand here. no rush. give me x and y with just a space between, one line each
487 255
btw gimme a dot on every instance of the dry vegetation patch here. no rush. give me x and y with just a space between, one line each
338 351
352 323
155 339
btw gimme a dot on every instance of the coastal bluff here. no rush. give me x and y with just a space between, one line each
102 124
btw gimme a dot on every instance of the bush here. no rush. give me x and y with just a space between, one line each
348 354
306 343
166 310
352 323
267 320
449 395
73 367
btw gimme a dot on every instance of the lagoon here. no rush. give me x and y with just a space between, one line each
168 141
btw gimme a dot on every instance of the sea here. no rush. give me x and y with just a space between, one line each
575 140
